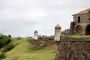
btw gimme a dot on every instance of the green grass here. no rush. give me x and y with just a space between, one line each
24 51
79 36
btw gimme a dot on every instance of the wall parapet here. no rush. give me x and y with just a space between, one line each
73 49
71 39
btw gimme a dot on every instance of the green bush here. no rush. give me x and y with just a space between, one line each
46 37
4 40
2 55
8 47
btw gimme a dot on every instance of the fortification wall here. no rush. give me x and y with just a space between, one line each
73 49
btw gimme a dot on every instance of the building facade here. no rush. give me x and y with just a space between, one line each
81 22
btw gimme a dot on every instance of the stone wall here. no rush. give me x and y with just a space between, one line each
73 50
45 43
42 43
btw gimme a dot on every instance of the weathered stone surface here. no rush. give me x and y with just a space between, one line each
73 51
37 44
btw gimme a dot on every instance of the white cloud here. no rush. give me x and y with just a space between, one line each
22 17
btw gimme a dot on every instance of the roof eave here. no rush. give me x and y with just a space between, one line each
79 14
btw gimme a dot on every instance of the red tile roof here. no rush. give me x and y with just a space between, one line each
87 11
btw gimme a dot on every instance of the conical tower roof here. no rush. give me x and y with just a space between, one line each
35 31
57 25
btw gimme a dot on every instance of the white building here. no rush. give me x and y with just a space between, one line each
81 22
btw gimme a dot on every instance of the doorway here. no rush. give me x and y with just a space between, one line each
88 30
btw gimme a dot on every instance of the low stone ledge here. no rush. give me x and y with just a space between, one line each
74 40
69 39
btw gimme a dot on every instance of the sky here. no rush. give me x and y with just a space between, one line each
23 17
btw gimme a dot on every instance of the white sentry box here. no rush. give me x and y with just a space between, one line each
36 35
57 33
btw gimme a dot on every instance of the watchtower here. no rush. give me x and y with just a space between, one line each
36 35
57 33
35 41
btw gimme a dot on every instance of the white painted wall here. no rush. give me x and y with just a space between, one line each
57 34
36 36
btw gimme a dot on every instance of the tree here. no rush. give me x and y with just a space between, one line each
4 40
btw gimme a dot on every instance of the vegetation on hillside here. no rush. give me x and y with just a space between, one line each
79 36
24 51
46 37
4 41
21 49
2 55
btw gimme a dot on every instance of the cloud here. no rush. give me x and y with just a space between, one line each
22 17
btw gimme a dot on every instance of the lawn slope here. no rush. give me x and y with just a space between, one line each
24 51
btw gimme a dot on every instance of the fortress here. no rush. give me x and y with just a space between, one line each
81 23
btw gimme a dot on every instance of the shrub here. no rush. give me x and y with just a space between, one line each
4 40
2 55
8 47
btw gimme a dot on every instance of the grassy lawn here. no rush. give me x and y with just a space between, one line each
24 51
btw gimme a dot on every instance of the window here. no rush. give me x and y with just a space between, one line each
79 19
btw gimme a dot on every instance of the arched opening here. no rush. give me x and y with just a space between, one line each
79 29
88 30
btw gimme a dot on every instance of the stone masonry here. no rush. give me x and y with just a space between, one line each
73 50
